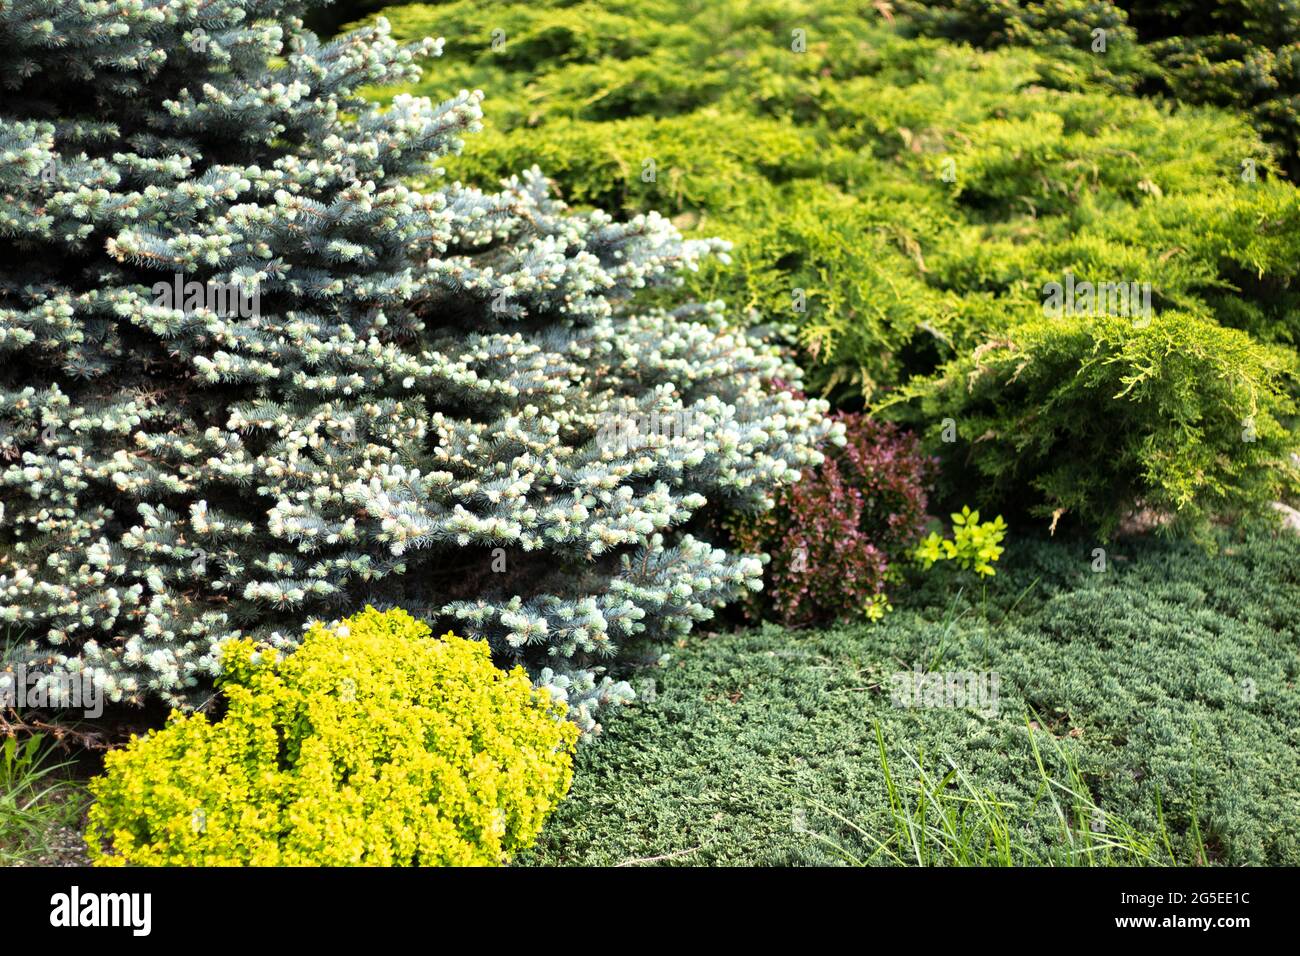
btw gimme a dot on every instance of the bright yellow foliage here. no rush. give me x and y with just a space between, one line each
372 744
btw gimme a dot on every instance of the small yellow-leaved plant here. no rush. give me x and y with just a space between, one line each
373 743
973 544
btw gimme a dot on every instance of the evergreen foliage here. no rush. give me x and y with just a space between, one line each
374 744
1098 418
1168 680
826 169
1242 54
899 203
414 403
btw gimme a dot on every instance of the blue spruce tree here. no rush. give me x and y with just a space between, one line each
254 369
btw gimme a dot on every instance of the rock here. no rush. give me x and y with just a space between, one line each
1290 517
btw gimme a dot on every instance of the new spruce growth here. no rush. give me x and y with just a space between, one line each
412 411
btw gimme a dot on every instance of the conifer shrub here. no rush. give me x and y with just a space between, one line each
836 538
374 744
898 204
1089 419
874 184
1066 27
1241 54
1168 681
405 409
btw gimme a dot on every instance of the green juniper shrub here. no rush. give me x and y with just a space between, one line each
897 205
891 200
1097 416
1065 27
1240 54
836 539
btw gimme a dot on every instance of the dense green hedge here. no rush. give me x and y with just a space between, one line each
1172 672
898 203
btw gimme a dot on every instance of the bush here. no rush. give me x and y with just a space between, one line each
893 201
1097 417
1243 54
897 205
373 744
836 537
406 413
1169 680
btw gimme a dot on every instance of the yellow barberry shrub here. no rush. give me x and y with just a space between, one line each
374 743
